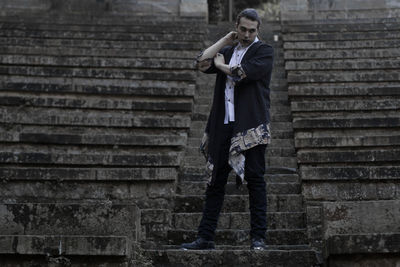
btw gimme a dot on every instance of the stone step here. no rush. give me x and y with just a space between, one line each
140 26
95 86
388 121
98 35
10 47
271 160
61 155
96 102
97 62
342 26
374 155
343 64
338 173
241 220
327 89
94 219
341 45
199 188
98 174
113 44
41 116
240 203
349 141
89 136
288 162
194 143
281 134
346 54
345 36
146 194
197 175
241 237
346 105
68 245
343 76
245 258
98 73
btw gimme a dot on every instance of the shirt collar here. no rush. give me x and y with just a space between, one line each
239 46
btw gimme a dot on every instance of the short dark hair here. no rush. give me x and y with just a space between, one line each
251 14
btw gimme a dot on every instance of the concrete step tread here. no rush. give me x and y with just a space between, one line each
275 256
241 237
65 245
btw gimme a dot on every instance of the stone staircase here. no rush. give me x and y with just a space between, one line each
287 231
343 80
93 121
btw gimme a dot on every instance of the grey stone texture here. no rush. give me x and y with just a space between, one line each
92 133
338 9
343 89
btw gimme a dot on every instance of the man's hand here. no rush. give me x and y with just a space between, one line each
230 38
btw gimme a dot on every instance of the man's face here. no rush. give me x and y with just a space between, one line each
247 31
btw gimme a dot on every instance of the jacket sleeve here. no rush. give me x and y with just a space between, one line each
260 65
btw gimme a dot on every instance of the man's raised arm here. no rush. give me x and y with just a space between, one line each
205 59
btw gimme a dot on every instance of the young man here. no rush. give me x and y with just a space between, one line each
237 131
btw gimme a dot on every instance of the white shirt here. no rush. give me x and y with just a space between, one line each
236 59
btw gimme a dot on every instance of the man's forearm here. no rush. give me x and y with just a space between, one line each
224 68
214 49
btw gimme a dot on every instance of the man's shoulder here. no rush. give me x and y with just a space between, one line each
264 46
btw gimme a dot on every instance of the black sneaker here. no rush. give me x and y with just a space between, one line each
257 244
199 244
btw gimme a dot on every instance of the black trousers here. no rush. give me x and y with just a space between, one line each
254 175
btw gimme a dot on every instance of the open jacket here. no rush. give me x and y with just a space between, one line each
252 103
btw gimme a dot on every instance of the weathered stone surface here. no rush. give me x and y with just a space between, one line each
198 188
328 156
364 243
139 193
350 173
345 89
343 76
351 191
96 35
239 203
344 64
371 259
100 73
97 103
352 141
146 88
153 26
347 122
103 54
164 45
347 218
63 245
274 258
91 118
344 104
345 45
328 36
76 157
333 54
86 174
242 237
97 219
241 220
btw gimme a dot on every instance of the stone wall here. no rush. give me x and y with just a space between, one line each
309 10
104 9
343 85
